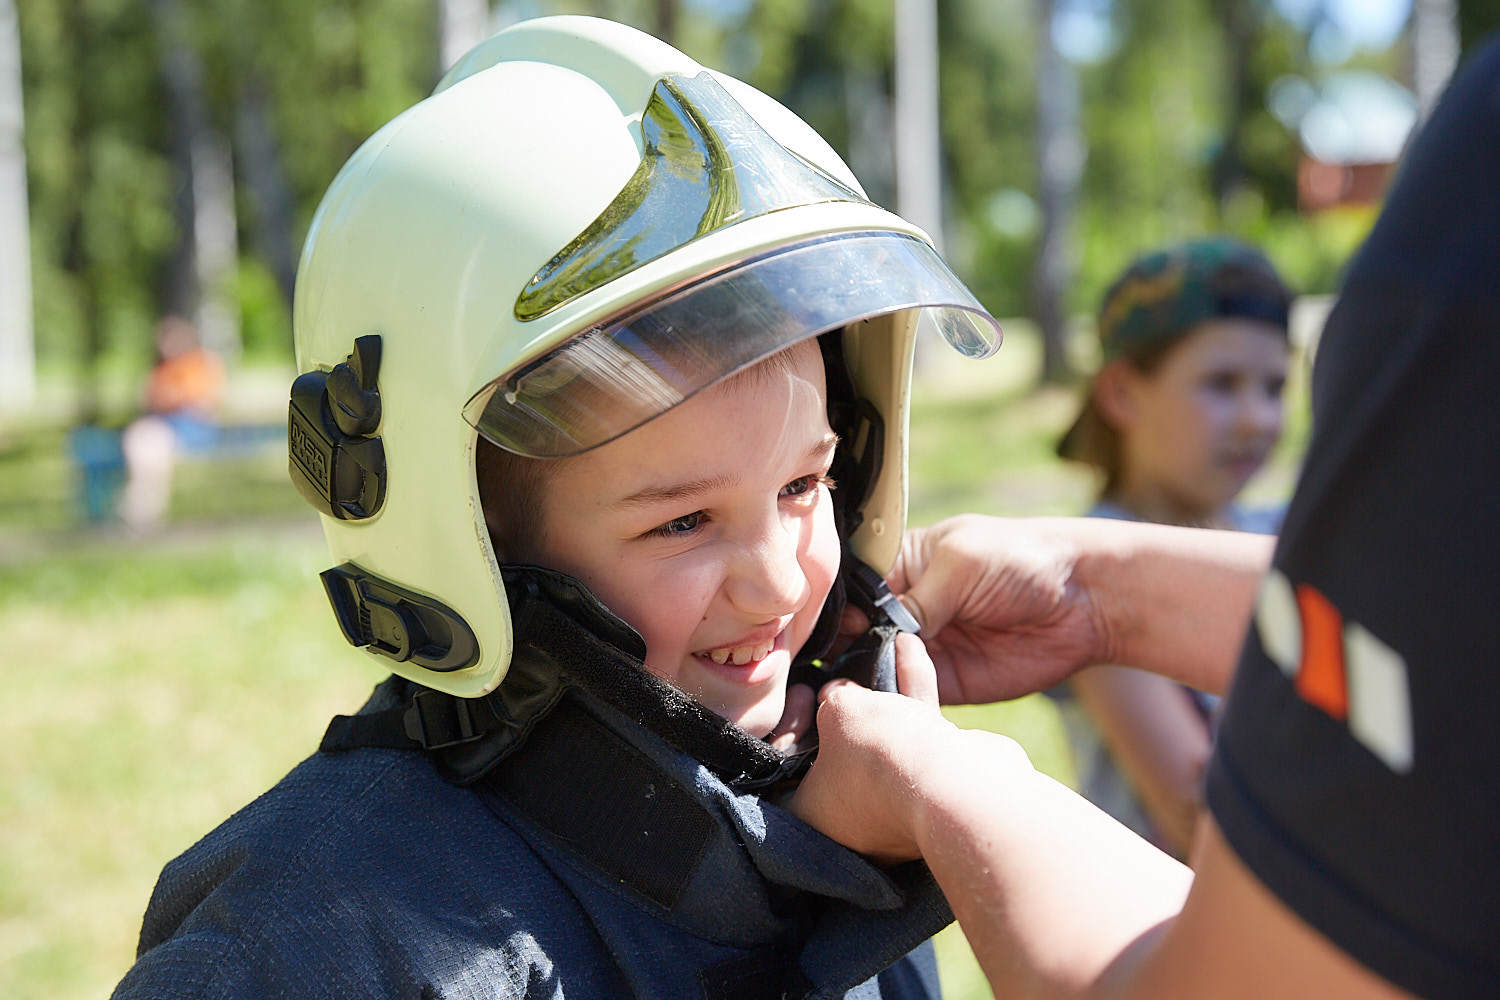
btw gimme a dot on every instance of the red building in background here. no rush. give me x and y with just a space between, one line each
1352 129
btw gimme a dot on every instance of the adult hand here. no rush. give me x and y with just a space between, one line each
914 678
879 756
1002 610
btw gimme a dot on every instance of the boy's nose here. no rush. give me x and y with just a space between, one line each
1259 413
767 581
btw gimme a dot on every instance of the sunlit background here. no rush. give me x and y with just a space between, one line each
164 158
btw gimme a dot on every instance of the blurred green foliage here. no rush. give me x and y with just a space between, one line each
1159 116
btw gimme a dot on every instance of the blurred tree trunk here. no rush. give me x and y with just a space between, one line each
871 142
462 24
666 21
75 257
1240 40
203 267
1433 37
919 184
17 347
918 126
265 177
1060 163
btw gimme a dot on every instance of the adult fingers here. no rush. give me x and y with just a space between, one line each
796 718
916 677
932 599
924 580
854 623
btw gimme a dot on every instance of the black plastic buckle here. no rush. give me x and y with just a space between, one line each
438 720
384 618
877 596
791 767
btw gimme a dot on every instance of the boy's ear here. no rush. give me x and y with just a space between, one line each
1114 394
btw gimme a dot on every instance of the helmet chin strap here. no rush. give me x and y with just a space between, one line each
566 640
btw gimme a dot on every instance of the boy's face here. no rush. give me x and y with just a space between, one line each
710 530
1200 425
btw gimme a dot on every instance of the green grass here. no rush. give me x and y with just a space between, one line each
151 690
152 686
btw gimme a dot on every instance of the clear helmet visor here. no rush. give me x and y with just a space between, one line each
613 378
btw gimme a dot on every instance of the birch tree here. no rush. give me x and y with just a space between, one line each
462 24
1060 165
208 248
17 354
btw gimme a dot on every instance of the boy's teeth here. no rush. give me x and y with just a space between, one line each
740 655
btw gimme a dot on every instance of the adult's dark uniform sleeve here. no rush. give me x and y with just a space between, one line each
1357 771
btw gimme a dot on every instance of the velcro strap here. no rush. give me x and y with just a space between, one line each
606 801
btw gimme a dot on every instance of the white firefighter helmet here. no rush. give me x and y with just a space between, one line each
578 229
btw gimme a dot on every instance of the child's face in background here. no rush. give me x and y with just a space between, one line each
710 530
1205 420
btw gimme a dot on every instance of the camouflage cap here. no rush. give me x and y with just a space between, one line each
1164 294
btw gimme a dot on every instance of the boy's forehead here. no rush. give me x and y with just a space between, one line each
1237 335
775 407
803 358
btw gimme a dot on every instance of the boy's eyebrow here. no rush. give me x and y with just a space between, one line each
653 495
677 492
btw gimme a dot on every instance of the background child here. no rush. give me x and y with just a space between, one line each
587 338
1185 408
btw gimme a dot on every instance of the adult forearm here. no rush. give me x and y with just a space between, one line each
1175 601
1050 891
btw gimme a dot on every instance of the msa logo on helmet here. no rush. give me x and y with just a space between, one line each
305 451
335 458
1338 666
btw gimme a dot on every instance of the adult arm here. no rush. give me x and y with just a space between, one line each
1055 897
1013 606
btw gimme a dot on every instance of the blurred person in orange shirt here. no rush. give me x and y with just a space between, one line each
183 394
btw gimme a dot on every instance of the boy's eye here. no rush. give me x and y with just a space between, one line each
678 525
1221 382
805 484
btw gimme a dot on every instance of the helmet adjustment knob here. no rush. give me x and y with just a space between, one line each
353 398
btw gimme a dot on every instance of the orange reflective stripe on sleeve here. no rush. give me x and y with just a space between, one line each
1320 681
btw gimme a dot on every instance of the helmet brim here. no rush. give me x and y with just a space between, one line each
617 375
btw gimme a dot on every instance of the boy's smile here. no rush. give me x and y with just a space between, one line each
710 530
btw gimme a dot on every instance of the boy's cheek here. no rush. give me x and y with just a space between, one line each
826 552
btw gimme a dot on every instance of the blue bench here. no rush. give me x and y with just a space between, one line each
99 459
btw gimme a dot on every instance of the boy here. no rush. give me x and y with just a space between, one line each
1184 410
585 339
